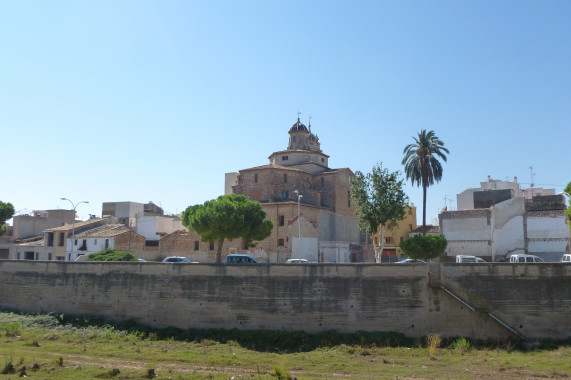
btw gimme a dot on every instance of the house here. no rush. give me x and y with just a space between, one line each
505 220
113 236
393 235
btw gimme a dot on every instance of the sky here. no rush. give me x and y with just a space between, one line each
106 101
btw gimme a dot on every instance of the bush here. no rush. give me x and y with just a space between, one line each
111 255
424 247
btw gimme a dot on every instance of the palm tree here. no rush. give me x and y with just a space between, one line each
421 163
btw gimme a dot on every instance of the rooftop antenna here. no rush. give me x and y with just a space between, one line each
532 173
298 113
309 125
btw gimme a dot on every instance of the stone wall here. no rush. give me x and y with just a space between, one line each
313 297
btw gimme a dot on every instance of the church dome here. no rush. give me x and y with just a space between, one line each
298 126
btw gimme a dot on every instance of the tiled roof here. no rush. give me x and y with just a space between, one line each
31 243
68 227
107 230
429 229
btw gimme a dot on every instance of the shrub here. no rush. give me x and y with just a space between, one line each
12 329
424 247
111 255
281 374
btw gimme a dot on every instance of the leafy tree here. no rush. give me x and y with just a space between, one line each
6 212
228 217
424 247
111 255
568 211
380 201
421 163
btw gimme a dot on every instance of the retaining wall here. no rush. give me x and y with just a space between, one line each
313 297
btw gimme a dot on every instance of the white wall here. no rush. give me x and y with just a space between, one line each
93 245
334 252
309 248
152 227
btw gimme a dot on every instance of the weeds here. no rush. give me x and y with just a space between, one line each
59 361
462 345
12 329
8 368
433 345
281 374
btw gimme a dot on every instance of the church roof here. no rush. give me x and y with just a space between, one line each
273 166
298 126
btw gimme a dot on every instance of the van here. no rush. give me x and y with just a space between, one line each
566 258
234 258
521 258
469 259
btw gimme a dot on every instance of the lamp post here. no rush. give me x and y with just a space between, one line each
73 223
299 196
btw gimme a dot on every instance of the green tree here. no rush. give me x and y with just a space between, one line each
424 247
568 211
380 201
111 255
6 212
421 163
228 217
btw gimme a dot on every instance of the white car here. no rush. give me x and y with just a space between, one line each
521 258
469 259
566 258
298 261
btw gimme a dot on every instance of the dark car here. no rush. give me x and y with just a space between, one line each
241 259
176 259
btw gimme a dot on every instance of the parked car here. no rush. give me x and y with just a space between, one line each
235 258
411 261
297 261
566 258
176 259
521 258
142 260
469 259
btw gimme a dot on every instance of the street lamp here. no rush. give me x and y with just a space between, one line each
299 196
73 224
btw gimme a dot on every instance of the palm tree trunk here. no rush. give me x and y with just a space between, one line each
424 209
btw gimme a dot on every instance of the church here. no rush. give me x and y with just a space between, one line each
308 202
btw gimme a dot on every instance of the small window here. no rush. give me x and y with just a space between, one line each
50 256
285 178
401 239
61 238
50 239
285 195
280 242
284 158
75 243
106 243
389 240
282 220
322 159
348 198
256 178
196 245
211 246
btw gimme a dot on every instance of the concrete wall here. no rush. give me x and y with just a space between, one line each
313 297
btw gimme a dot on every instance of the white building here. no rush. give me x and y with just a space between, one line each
500 219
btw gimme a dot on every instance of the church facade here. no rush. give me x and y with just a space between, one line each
308 202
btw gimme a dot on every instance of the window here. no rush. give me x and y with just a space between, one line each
256 178
410 226
389 240
28 255
50 239
106 243
285 195
349 198
409 211
196 245
282 220
280 242
285 178
50 256
61 238
18 256
211 246
284 158
322 159
75 243
401 238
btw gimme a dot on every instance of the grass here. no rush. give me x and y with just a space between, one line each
47 346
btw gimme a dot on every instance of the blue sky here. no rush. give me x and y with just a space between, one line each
155 100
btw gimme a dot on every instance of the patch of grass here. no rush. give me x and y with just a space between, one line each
462 345
433 345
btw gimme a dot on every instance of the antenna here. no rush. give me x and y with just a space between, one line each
532 174
298 113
